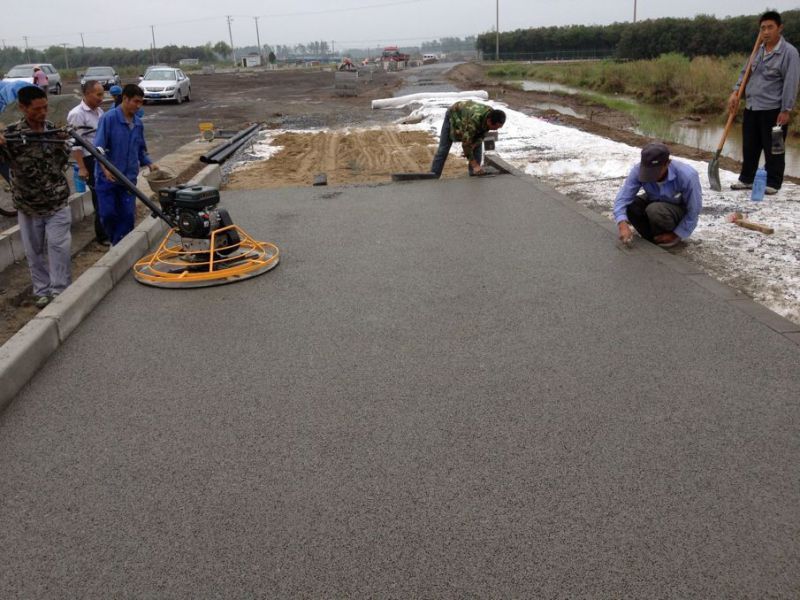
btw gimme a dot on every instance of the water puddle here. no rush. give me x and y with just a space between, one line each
662 123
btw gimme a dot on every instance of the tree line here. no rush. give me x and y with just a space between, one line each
115 57
703 35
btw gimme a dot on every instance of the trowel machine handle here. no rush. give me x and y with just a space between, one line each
121 179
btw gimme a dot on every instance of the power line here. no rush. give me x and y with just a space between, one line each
201 19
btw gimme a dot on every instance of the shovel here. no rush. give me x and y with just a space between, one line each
713 166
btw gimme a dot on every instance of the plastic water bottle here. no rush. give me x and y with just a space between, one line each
759 186
80 184
777 145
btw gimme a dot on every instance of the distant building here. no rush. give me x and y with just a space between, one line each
189 62
251 60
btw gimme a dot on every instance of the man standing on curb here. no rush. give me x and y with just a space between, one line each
40 191
120 135
670 207
467 122
770 96
85 117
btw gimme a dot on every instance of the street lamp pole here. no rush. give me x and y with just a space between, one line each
153 33
497 31
258 39
634 11
230 35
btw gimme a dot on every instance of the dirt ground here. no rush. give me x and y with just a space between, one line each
345 157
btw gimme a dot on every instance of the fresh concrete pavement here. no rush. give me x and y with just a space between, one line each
456 388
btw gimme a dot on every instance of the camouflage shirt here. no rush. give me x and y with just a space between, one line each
468 125
39 186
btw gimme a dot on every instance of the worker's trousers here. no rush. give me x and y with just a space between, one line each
50 275
117 210
444 149
757 138
652 218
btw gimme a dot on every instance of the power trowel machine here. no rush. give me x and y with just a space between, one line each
203 246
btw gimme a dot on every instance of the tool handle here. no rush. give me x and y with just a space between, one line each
739 92
754 226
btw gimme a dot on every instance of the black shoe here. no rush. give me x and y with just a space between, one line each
105 242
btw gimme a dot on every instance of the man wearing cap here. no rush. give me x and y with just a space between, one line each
116 93
668 210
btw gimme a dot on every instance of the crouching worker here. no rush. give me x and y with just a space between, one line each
40 192
466 122
668 210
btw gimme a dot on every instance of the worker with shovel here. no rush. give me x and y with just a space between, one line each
770 94
668 210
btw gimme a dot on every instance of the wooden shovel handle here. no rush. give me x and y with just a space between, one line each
754 226
739 92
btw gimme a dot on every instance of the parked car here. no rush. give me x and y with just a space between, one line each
166 83
107 76
25 73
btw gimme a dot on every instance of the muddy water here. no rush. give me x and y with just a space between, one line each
664 124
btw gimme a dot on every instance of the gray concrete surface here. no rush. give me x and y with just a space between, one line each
23 354
456 389
427 78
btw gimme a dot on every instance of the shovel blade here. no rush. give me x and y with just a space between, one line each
713 174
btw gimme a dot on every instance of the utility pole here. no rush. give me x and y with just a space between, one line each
27 51
258 39
66 56
230 35
634 11
153 33
497 31
83 46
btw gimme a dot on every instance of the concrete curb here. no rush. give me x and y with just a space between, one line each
731 296
11 250
31 346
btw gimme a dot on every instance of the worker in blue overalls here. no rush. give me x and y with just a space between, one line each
120 135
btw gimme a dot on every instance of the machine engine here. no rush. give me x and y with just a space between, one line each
194 210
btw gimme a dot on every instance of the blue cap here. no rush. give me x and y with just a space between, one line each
115 90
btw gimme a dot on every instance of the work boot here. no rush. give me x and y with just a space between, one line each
741 185
41 301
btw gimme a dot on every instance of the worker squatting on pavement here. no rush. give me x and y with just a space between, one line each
40 192
668 210
466 122
120 135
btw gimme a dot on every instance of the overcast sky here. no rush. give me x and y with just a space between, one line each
348 23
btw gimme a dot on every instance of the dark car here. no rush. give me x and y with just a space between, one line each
107 76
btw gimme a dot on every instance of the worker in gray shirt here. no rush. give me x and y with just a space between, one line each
770 96
85 118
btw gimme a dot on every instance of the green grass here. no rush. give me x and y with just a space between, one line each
701 85
698 86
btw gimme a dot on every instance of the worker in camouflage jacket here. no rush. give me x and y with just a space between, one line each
40 192
466 122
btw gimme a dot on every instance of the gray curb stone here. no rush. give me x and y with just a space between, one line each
78 300
31 346
23 354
